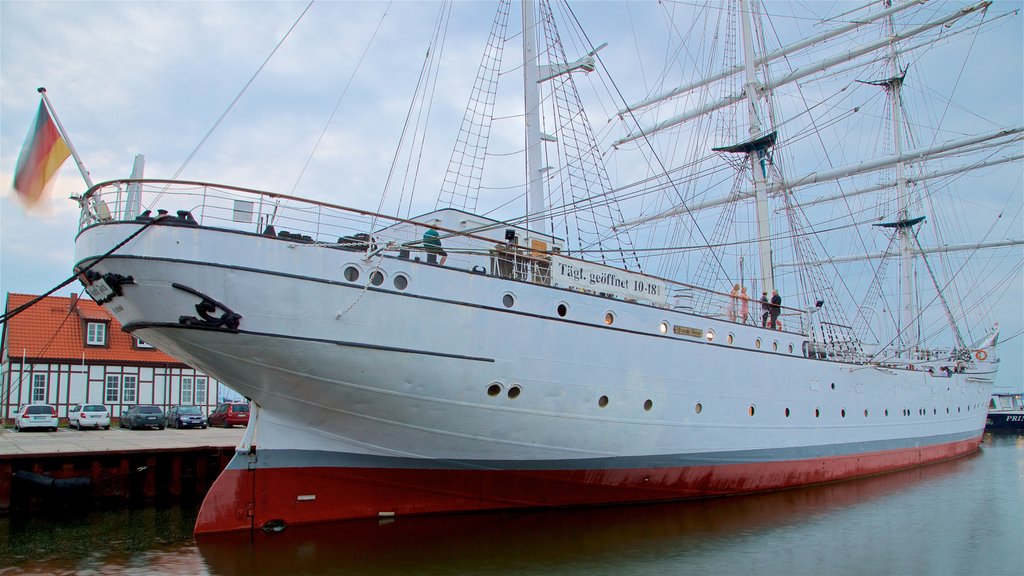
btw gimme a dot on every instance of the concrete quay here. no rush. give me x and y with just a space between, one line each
68 440
109 468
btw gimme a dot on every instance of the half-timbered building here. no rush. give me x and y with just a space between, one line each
64 351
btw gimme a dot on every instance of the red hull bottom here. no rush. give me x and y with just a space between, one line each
249 499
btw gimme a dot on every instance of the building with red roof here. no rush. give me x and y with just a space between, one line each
67 351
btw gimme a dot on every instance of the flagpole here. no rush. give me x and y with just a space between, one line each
64 135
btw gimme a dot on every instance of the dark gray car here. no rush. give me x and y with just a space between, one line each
185 417
143 416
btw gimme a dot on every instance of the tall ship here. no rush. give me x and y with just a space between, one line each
659 308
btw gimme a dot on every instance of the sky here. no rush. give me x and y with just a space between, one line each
153 78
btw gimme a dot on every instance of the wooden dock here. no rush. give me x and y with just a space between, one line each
107 468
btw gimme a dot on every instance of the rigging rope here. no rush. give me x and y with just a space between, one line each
237 98
12 313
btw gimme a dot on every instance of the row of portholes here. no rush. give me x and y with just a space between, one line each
352 274
513 392
603 402
562 309
698 408
495 389
709 334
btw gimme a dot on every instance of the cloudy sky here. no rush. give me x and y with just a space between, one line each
154 77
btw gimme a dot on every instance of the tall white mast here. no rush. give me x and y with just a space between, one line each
758 165
908 317
536 209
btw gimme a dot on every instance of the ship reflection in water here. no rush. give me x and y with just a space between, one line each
958 517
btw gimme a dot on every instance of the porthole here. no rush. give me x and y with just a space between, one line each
609 318
775 346
787 412
508 300
750 410
791 348
730 338
865 412
351 273
817 413
494 389
698 408
562 309
757 343
648 404
886 412
663 328
833 385
376 277
602 401
401 281
710 335
843 412
514 391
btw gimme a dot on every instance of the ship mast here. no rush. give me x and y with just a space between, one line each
536 207
908 323
757 153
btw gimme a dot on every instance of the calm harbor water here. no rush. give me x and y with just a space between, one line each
960 517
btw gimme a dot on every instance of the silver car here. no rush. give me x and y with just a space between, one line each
89 416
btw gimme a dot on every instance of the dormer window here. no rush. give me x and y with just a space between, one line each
139 343
96 333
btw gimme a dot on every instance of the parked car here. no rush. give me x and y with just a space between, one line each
36 416
142 416
185 417
89 416
228 414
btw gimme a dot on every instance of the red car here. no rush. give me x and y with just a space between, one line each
230 413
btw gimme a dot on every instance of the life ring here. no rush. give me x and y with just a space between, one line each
981 354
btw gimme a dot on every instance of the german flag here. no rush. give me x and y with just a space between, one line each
42 154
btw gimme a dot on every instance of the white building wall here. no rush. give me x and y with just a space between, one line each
70 384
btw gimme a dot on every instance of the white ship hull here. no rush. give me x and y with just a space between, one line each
440 396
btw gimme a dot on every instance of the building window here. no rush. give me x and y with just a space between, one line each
186 390
139 343
39 388
200 390
130 388
113 389
96 334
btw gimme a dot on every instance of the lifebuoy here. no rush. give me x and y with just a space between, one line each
981 354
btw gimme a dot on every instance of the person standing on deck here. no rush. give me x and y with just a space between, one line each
776 309
765 309
432 244
734 300
744 305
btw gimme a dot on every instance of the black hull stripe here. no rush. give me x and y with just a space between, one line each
132 327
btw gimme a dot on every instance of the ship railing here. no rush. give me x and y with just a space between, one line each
252 211
312 221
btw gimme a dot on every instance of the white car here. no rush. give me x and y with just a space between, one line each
89 416
36 416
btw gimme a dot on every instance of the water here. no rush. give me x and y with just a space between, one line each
960 517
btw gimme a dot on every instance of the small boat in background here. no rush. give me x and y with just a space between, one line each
1005 412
